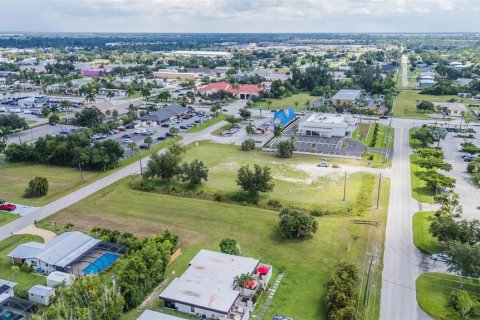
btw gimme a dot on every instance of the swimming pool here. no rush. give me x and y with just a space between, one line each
101 263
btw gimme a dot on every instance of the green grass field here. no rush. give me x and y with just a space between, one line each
7 217
61 180
294 184
364 133
7 270
203 223
420 191
206 124
422 238
284 103
406 103
433 291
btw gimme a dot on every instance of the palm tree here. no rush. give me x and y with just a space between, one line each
249 129
242 281
110 95
277 131
4 133
54 109
307 104
269 104
132 110
174 131
164 95
115 114
148 140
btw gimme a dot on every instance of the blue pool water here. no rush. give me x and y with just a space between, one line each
101 263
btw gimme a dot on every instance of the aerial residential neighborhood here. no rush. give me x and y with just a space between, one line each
290 160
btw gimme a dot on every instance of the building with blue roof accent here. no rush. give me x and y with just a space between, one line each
284 117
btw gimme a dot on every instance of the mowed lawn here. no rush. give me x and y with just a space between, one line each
61 180
9 272
433 291
294 178
284 103
202 224
422 238
420 191
385 135
406 103
7 217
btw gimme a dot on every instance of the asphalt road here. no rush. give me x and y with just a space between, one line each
405 71
68 200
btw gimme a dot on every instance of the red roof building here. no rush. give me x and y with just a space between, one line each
242 91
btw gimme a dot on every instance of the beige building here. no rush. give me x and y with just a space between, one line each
182 76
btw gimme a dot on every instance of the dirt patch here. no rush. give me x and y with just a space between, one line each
142 228
45 234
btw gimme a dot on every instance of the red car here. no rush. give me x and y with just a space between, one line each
7 207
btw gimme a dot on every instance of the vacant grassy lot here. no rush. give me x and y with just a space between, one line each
203 223
61 180
361 132
420 191
6 218
298 182
406 103
9 272
284 103
434 289
422 238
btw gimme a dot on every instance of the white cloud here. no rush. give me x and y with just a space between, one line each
230 15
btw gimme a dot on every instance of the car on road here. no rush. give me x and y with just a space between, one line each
278 317
126 140
323 164
7 207
183 128
126 136
64 131
161 138
169 135
165 125
144 146
147 133
440 257
383 117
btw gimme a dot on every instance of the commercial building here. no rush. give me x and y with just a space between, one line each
346 97
167 113
327 125
206 288
174 74
242 91
71 252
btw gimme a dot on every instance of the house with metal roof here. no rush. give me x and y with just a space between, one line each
346 96
206 289
67 253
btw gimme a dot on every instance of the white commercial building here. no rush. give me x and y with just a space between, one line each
326 125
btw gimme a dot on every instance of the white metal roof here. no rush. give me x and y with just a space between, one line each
40 290
58 252
347 94
59 276
208 281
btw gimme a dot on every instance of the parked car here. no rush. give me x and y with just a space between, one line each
144 146
64 131
323 165
168 135
183 128
161 138
165 125
7 207
126 136
147 133
126 140
439 257
2 201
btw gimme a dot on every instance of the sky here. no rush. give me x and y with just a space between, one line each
240 15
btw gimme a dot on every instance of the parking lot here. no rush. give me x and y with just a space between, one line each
464 186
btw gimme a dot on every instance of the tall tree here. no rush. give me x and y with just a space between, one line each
254 181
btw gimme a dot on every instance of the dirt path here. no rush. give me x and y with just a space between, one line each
32 229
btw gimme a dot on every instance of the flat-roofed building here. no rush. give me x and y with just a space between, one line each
346 97
327 125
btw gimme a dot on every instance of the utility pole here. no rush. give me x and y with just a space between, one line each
368 284
345 186
80 168
141 167
379 188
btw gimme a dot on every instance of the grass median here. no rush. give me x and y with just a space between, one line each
422 237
